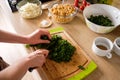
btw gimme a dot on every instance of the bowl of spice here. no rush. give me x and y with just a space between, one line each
102 18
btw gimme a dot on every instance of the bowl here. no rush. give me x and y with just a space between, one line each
109 11
29 8
62 12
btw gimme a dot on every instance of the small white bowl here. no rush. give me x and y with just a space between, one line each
102 9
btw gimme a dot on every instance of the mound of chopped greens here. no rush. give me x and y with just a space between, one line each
60 50
100 20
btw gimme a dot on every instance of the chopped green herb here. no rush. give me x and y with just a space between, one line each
27 46
60 50
81 67
101 20
44 37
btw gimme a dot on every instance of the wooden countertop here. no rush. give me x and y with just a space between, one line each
108 69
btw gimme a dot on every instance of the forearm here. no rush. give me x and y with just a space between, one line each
12 38
15 71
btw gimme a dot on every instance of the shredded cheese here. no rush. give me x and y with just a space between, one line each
30 10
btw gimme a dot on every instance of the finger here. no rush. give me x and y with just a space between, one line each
48 34
38 52
42 52
44 41
45 52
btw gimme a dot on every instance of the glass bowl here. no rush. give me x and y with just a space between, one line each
62 12
29 8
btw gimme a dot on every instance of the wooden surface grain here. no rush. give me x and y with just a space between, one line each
108 69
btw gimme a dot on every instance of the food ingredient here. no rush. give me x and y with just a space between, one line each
100 1
62 13
76 3
45 23
101 20
81 67
60 50
84 4
81 6
104 1
63 9
30 10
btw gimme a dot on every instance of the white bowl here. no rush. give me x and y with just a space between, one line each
102 9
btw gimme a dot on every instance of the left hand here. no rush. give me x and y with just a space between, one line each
34 38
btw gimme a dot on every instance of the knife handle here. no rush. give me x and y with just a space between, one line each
31 69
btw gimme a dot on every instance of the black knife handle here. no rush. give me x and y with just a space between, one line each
31 69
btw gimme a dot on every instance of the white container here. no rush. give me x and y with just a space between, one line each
102 9
116 47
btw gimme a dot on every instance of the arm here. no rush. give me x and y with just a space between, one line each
11 38
32 38
17 70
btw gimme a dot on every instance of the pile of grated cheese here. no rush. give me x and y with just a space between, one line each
30 10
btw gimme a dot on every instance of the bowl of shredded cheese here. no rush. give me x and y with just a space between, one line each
29 8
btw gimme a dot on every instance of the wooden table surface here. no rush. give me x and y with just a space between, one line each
108 69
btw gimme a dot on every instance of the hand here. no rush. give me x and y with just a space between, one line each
34 38
37 58
17 71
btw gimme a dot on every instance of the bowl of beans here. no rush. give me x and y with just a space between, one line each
101 18
62 13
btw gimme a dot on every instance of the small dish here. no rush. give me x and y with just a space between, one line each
45 23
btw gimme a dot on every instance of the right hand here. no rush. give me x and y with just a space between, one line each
37 58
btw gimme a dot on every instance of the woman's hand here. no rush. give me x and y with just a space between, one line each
37 58
17 71
35 37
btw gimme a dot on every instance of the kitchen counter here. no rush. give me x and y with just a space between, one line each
108 69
